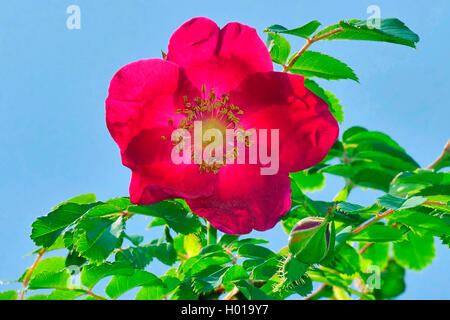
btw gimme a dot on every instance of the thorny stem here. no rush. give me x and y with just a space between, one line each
367 224
89 292
365 248
231 295
378 217
316 293
306 46
30 272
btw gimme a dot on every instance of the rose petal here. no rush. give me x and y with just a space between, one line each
245 200
275 100
156 177
145 94
218 59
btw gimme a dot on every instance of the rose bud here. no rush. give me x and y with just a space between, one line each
309 240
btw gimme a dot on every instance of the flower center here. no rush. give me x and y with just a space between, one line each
210 107
215 113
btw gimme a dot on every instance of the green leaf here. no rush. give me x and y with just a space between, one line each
227 239
239 243
391 30
377 254
51 280
74 259
361 136
46 229
396 203
92 274
82 199
120 284
255 252
53 264
8 295
65 294
304 287
329 278
175 213
163 251
336 108
308 182
234 273
208 280
184 292
316 64
364 174
264 270
415 253
304 31
438 206
95 237
372 159
158 292
151 293
342 170
251 292
351 132
351 208
209 256
278 47
345 260
422 183
294 269
191 245
138 257
135 239
422 222
394 162
378 233
38 297
392 282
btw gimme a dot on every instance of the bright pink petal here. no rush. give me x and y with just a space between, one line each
275 100
163 180
218 59
145 94
156 177
245 200
142 99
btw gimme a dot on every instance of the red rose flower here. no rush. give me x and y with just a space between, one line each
148 99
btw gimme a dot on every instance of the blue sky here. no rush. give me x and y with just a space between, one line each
53 138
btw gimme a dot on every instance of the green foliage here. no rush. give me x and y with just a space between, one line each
392 282
335 106
8 295
379 233
412 210
316 64
416 252
303 31
120 284
391 30
47 229
279 48
176 214
370 159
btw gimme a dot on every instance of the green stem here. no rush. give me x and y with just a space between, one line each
29 273
212 234
306 46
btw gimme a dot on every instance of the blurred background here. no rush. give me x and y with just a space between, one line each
53 82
